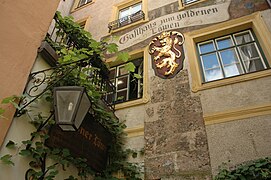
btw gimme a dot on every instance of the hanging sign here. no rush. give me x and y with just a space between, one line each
167 54
90 141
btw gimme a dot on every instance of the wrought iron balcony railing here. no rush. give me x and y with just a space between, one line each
41 81
126 20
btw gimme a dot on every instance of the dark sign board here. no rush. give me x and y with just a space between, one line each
90 141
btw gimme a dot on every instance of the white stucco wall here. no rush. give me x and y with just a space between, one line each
19 131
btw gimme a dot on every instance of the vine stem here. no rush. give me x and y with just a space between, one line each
39 128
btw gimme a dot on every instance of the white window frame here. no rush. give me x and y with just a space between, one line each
236 48
128 75
83 2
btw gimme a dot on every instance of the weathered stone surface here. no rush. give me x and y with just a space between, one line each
176 142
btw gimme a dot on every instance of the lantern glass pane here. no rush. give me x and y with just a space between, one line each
66 105
82 110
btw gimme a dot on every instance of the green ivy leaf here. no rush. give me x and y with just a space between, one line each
137 76
112 48
8 100
66 152
123 56
2 111
27 142
10 145
25 152
6 159
130 67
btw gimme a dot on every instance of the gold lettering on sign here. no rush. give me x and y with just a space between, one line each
167 48
93 138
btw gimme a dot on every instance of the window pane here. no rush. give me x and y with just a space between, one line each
205 48
189 1
210 61
109 97
136 8
122 82
122 96
224 43
213 74
130 10
243 38
112 73
228 57
254 65
233 70
123 13
122 71
248 51
251 58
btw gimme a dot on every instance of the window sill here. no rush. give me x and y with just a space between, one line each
232 80
143 100
130 25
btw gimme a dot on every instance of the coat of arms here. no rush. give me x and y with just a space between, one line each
167 54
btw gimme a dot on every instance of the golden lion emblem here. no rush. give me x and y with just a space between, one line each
167 43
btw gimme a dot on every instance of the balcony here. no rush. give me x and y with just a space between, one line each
59 35
126 20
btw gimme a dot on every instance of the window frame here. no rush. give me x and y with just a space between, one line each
182 5
86 2
125 4
118 77
134 55
235 47
84 23
261 32
75 6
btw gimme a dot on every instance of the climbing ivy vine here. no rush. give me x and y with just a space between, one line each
35 148
259 169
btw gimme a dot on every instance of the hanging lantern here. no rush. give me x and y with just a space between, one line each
71 103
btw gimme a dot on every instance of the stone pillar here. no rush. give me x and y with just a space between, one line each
176 141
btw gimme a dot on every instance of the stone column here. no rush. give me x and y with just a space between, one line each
176 142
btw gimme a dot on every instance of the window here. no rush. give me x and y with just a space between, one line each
127 14
130 91
230 55
184 3
83 2
229 52
128 87
79 4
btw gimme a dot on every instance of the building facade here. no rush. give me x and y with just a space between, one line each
214 109
217 108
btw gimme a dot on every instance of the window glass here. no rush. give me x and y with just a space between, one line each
83 2
130 10
207 47
210 61
243 38
213 74
231 55
224 43
122 82
189 1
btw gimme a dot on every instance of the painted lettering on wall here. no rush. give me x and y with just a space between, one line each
199 16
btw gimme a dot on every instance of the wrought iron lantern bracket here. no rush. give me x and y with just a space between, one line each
40 82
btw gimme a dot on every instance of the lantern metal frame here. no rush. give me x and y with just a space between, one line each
72 124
